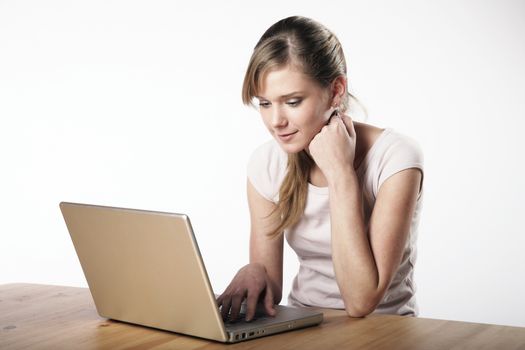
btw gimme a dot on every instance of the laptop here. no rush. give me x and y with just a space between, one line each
144 267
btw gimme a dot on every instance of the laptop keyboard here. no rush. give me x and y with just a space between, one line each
242 317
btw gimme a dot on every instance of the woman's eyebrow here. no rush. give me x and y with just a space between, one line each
282 96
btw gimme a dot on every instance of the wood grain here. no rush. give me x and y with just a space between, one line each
34 316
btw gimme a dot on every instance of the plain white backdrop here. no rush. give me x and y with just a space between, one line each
138 104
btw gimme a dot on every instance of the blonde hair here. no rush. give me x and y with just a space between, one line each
308 45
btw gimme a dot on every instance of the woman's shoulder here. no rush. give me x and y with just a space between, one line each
268 152
386 142
391 151
399 144
267 167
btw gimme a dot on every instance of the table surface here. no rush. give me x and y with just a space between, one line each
40 316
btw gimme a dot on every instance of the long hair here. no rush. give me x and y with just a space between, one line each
316 51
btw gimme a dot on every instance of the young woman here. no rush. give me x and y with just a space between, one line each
346 195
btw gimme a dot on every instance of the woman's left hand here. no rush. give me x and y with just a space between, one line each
333 148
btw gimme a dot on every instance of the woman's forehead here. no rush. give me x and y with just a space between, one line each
284 82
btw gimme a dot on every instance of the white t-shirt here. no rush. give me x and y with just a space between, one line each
315 283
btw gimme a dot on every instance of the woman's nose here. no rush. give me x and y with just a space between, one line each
278 118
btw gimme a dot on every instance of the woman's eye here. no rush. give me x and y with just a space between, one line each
292 103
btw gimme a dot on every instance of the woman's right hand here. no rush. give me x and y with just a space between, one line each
249 282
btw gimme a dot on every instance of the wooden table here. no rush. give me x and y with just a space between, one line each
34 316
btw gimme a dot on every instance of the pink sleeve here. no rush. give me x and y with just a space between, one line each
403 153
264 170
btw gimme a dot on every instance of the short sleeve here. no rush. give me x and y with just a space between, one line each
265 169
403 153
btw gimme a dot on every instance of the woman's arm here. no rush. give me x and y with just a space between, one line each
264 250
263 276
366 261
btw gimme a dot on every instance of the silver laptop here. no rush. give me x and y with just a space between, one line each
144 267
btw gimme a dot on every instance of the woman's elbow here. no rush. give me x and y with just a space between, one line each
352 312
360 309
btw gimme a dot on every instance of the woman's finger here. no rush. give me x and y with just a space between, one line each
236 306
268 301
251 303
225 309
349 124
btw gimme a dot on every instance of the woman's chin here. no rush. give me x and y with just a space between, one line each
291 148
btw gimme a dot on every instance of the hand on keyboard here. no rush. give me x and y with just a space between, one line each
241 317
252 287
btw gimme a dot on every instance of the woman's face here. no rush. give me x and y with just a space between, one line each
293 108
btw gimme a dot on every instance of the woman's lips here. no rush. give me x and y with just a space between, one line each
286 137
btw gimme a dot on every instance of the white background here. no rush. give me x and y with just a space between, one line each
138 104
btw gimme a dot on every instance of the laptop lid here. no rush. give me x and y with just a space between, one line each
144 267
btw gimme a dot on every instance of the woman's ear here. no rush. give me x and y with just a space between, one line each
338 90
